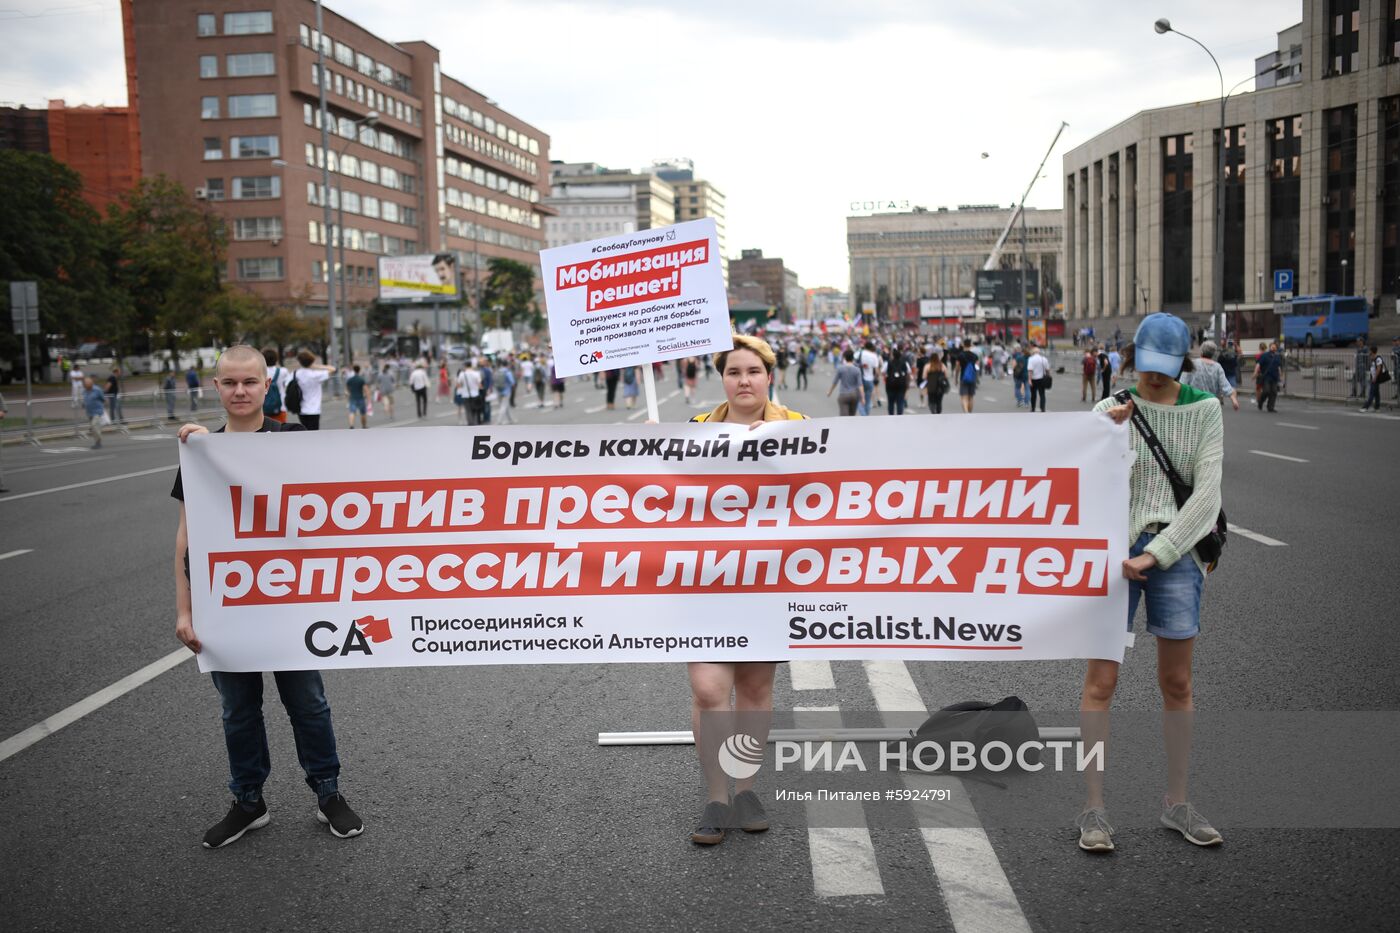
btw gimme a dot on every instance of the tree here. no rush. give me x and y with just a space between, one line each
50 235
168 257
510 286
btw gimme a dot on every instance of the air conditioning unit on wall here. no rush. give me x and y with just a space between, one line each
201 193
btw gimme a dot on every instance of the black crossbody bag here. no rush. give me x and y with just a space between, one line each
1209 548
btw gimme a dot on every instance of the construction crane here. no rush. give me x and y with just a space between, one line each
995 256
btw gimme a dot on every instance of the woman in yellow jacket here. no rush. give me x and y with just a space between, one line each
747 372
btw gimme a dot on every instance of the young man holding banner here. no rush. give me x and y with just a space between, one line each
241 378
747 371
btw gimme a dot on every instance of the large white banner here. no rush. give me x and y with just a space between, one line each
636 298
998 537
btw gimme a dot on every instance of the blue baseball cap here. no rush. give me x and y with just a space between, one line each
1161 344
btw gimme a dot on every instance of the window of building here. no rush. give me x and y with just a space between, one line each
1177 163
214 189
350 202
1390 196
213 148
1390 32
1285 140
1344 36
252 105
253 187
247 24
344 54
1234 191
257 228
206 25
248 64
1339 201
339 83
209 108
208 66
253 147
261 269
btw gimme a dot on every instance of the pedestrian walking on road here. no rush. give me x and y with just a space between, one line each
169 388
630 378
95 407
967 378
387 385
192 386
75 381
275 400
241 379
1268 373
1376 376
418 382
1090 367
114 395
1361 364
355 398
1019 381
747 371
1038 368
505 390
1162 569
1209 376
936 382
311 377
848 380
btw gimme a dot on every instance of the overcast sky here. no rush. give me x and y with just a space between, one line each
793 108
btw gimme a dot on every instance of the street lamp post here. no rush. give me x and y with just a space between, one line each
1217 283
321 81
1344 278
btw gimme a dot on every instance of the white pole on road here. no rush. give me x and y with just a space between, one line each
649 384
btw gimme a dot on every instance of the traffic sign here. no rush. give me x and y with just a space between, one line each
1283 281
24 307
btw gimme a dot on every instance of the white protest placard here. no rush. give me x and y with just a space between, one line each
636 298
995 537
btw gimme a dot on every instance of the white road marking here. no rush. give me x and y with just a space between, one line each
91 482
595 409
1375 415
1265 453
811 675
22 740
974 886
64 450
1256 536
28 550
1290 424
50 466
843 855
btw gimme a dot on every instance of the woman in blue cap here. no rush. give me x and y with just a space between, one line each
1162 568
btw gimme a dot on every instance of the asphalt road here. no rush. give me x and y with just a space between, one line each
490 807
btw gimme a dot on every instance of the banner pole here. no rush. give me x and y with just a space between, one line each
649 384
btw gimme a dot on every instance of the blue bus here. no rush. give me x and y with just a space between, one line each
1319 320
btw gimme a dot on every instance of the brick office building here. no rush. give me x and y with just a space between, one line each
226 98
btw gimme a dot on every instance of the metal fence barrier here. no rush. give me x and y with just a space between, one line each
154 413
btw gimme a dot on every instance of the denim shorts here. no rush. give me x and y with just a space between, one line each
1173 596
357 405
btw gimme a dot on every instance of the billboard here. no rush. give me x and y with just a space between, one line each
425 277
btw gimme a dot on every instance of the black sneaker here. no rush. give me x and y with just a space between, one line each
748 812
336 813
713 822
238 821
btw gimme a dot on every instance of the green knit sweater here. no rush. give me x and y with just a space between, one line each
1193 433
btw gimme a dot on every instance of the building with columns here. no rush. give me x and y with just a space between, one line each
1311 184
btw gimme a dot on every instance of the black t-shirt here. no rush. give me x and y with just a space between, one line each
269 426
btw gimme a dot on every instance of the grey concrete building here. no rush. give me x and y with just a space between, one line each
897 258
1311 183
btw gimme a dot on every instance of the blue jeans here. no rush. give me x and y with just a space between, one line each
866 396
1023 392
249 761
1173 596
